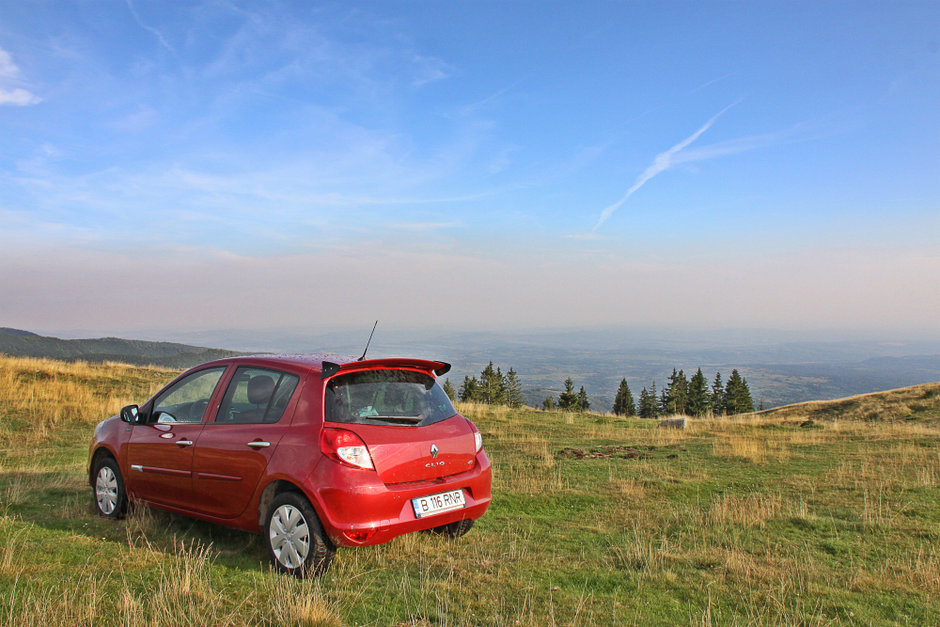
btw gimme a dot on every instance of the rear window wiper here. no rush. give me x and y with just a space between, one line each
410 420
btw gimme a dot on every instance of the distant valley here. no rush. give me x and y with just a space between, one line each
780 368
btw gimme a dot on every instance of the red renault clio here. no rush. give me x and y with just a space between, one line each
313 452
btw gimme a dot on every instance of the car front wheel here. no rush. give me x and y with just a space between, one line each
110 497
296 542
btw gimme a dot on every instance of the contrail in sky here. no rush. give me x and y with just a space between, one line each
661 163
154 31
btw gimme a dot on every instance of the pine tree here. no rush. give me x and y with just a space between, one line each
643 409
549 403
676 394
623 402
745 402
583 403
513 389
491 385
647 407
737 395
698 404
718 396
470 390
449 389
568 400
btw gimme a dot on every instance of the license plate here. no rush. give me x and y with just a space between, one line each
438 503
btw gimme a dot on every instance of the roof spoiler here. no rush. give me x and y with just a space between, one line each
439 368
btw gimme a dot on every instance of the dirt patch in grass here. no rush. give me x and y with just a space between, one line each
620 451
805 424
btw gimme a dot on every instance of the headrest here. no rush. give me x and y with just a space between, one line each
260 388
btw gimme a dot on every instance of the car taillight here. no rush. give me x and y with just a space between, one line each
478 440
360 536
346 447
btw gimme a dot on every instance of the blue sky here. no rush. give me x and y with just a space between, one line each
198 165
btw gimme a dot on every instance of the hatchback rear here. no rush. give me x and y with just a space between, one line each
406 460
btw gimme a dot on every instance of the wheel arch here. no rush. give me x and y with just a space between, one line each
100 453
271 492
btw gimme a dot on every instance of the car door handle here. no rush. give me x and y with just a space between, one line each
184 443
257 444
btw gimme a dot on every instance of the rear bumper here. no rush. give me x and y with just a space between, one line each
357 509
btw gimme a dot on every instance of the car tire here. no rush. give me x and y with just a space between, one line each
295 539
110 498
454 529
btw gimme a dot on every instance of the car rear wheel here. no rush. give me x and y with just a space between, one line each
110 497
296 542
454 529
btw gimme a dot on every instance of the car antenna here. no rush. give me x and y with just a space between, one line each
369 342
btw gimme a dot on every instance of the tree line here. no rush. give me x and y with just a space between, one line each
492 388
568 400
690 397
681 395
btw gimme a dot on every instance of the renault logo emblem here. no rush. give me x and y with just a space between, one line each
434 451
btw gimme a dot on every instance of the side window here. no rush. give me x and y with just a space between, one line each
188 399
256 395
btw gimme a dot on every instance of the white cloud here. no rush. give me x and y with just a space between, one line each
13 96
18 97
8 69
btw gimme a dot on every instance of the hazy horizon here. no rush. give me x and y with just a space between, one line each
607 337
781 367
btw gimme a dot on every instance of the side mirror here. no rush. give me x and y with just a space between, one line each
130 414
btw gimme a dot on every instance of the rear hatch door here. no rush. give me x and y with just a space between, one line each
403 454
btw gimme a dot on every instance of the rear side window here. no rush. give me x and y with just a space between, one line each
256 395
402 397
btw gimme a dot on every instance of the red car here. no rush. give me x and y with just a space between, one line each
313 452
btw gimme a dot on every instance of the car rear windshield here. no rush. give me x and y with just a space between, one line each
396 397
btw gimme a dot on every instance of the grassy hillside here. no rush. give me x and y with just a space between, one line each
16 343
919 403
595 520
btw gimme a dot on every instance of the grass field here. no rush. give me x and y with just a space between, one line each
810 515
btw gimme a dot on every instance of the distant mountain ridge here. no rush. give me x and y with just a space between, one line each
17 332
19 343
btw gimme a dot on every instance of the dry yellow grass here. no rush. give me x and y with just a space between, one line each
751 510
742 447
42 393
919 402
628 487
